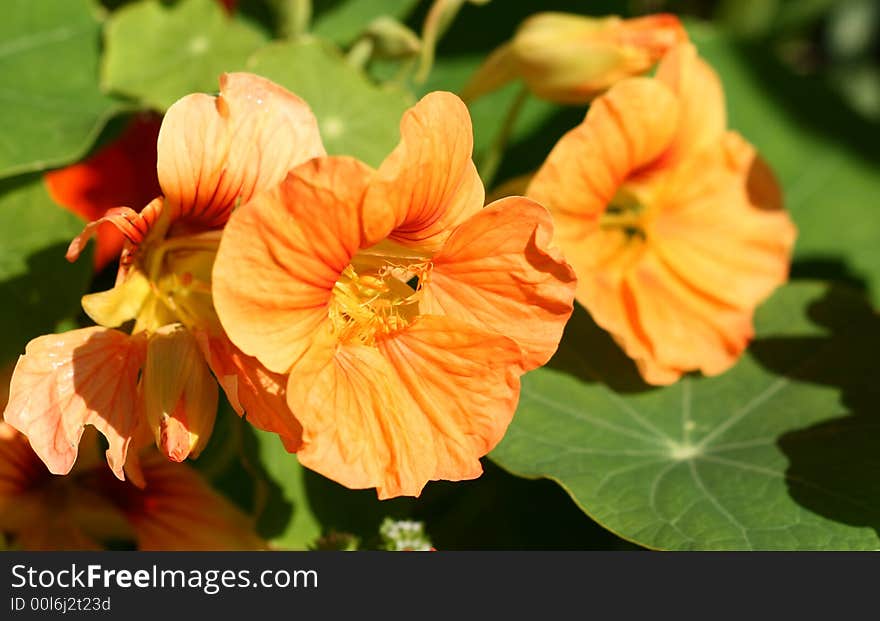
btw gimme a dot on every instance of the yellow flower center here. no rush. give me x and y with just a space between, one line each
378 293
627 213
180 272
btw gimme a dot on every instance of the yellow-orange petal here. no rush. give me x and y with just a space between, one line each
178 510
180 394
253 391
215 151
426 404
499 271
703 117
282 253
624 130
429 183
66 381
722 226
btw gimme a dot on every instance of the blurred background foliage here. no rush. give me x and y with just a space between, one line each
802 79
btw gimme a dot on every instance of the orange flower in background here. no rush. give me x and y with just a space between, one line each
673 224
571 59
176 510
213 152
122 172
403 311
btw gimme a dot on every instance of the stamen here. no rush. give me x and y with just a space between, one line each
380 300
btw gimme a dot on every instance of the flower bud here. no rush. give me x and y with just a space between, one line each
180 393
569 58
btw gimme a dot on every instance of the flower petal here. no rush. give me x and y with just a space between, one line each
426 404
134 226
703 119
253 391
66 381
282 253
498 271
624 130
429 183
180 394
214 151
713 234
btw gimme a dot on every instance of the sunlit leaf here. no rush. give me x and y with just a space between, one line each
157 53
51 108
356 117
38 287
781 452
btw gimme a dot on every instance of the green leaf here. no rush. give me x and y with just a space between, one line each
781 452
39 288
820 151
158 53
345 20
51 108
356 117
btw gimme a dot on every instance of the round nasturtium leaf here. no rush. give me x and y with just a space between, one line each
355 116
38 286
51 108
157 53
780 452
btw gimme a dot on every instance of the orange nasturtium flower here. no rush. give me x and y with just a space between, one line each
673 224
213 152
403 311
176 510
571 59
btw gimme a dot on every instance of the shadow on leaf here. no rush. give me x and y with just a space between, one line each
834 465
589 353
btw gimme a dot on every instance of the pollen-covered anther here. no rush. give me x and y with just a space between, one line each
378 302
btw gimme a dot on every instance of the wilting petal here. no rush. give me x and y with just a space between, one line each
66 381
178 510
120 173
134 226
282 253
703 118
180 394
624 130
428 184
427 404
498 271
215 151
253 391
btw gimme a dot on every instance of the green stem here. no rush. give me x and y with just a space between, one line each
492 159
295 17
360 53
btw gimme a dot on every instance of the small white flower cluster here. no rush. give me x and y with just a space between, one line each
404 536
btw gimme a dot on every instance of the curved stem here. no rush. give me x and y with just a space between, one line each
492 159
